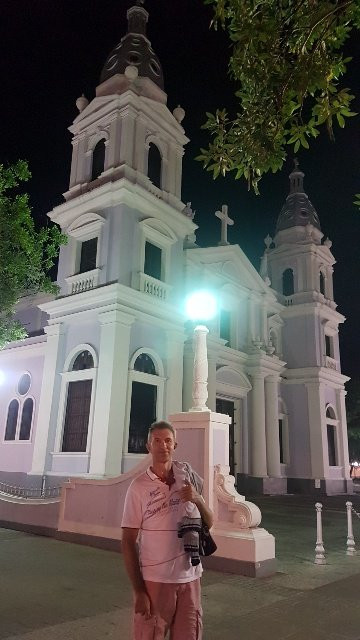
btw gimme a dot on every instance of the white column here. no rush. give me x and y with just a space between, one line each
342 437
329 289
48 405
111 390
264 324
174 374
128 138
258 436
74 162
188 375
272 426
113 152
211 403
317 427
251 319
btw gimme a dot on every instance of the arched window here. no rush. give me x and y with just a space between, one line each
322 283
145 364
26 419
83 361
144 400
78 394
98 160
331 423
11 421
288 282
154 165
330 413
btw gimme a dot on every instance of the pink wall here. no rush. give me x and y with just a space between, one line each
16 456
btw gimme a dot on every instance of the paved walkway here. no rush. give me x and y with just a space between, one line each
51 590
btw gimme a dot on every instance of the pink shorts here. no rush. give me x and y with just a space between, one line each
176 607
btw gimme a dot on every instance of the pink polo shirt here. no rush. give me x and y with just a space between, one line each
155 509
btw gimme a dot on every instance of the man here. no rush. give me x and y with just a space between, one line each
166 584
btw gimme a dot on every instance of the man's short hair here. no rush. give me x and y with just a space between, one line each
162 424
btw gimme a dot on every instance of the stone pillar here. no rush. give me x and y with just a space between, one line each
175 358
342 437
48 405
317 426
264 324
251 319
258 434
188 371
211 402
272 426
111 391
128 138
242 547
74 162
329 289
113 151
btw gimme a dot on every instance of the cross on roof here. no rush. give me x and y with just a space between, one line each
225 222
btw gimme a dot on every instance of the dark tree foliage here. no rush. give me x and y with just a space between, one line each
26 255
287 62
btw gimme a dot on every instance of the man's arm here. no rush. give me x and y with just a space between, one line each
131 560
189 493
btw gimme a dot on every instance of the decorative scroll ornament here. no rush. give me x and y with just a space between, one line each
244 514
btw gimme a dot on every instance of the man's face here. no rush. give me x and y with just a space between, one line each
161 445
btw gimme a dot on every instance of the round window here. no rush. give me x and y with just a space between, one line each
24 384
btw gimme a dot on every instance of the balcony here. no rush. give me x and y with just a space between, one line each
152 286
82 281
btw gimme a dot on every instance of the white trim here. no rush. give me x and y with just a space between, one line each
71 357
159 367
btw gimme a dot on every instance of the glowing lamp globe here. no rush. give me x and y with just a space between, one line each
2 377
201 306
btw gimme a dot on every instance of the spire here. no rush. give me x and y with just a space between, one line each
137 18
296 179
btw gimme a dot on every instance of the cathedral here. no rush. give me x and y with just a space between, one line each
113 351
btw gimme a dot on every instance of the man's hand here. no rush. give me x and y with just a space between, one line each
143 604
188 493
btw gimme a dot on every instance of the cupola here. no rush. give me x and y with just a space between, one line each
297 210
134 49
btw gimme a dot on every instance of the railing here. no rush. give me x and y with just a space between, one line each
154 287
83 281
330 363
30 493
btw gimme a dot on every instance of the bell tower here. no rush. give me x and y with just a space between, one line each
126 173
299 265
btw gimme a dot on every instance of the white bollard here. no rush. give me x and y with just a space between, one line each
350 543
319 548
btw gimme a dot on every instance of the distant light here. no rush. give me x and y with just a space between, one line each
2 377
201 305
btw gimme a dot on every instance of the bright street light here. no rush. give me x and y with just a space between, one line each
201 305
2 377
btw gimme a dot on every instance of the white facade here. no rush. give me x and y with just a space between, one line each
115 344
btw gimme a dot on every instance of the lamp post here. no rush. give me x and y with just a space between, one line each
200 306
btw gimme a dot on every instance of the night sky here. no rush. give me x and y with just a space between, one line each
52 51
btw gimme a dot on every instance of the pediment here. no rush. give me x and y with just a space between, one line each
232 266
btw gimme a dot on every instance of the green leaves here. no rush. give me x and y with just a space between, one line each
286 61
26 255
